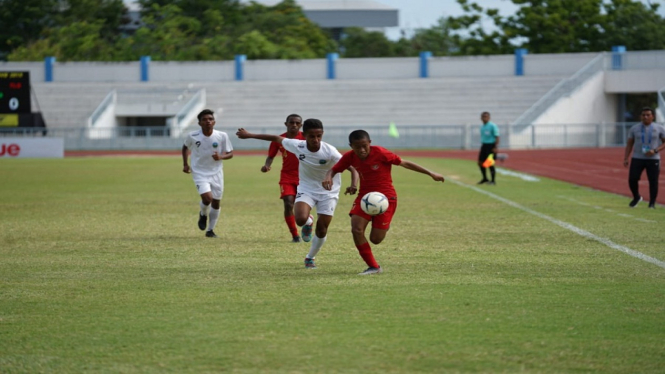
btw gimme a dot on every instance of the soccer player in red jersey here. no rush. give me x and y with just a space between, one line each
288 179
374 164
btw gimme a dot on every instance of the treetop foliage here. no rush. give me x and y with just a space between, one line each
182 30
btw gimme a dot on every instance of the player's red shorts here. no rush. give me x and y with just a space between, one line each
381 221
287 189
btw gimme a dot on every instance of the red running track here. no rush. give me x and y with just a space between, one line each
598 168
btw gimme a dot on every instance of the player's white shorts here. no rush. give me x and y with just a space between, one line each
325 205
210 183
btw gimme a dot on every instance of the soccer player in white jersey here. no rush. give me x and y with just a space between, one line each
315 158
208 148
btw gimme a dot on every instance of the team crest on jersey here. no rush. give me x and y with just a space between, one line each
375 167
214 145
322 162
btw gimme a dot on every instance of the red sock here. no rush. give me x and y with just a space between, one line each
291 222
366 253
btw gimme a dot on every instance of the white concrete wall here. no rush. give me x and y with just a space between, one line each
634 81
502 65
97 72
588 104
648 60
190 71
650 63
270 70
556 64
378 68
36 69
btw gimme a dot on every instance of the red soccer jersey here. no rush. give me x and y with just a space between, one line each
290 162
374 170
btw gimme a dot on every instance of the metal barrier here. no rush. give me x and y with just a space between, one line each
410 137
660 115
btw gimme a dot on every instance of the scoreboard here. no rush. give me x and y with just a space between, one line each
14 96
14 92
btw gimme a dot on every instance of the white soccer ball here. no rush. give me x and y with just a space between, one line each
374 203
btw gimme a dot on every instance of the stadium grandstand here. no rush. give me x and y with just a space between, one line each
539 100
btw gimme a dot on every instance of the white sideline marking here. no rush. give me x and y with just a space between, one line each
568 226
526 177
607 210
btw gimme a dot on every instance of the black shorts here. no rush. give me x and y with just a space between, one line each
485 150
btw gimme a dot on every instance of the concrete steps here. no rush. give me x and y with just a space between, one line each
445 101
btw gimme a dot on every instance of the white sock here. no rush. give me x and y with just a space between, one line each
317 243
212 221
309 221
204 208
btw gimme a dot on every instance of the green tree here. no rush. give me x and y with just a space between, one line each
470 35
23 21
44 25
438 39
168 34
111 13
556 26
286 26
79 41
231 10
633 24
357 42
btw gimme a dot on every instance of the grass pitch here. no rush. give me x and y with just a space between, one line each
103 269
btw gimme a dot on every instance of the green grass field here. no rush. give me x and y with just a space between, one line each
103 270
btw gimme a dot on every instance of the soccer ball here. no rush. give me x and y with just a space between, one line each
374 203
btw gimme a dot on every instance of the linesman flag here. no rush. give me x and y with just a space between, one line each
392 130
489 162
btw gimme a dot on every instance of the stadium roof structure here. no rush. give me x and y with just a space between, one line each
347 13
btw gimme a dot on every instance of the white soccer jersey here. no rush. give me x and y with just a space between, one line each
314 166
202 148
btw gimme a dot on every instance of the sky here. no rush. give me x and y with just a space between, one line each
419 14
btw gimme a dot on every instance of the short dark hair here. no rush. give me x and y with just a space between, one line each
204 112
653 112
312 124
358 135
483 113
293 115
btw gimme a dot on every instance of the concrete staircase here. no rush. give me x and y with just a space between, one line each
69 105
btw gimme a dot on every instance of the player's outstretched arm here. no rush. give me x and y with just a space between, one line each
415 167
266 167
185 154
355 178
244 134
328 180
223 156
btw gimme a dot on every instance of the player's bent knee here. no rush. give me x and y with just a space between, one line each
356 230
376 240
